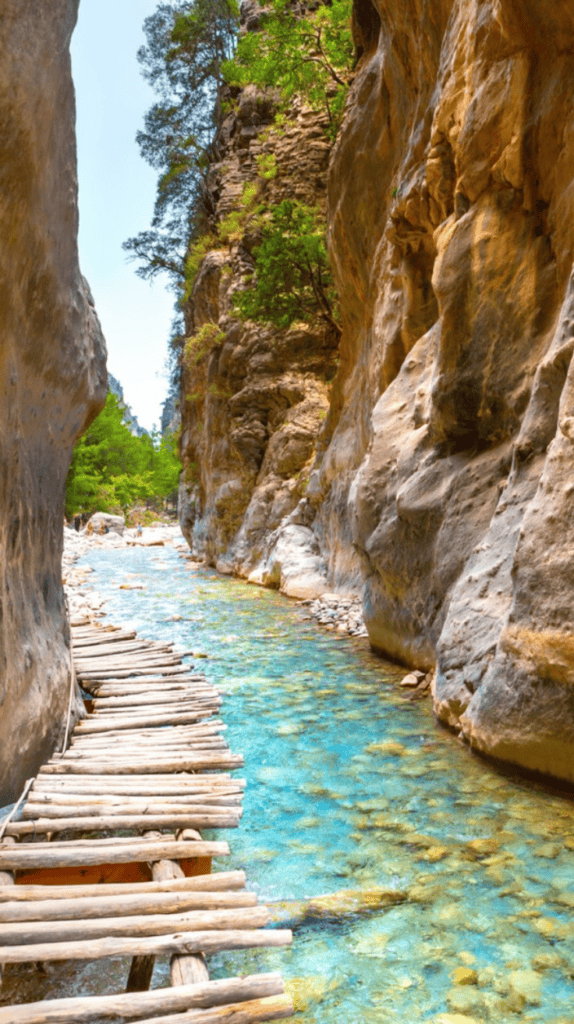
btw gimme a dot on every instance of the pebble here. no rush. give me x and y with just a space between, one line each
339 612
465 998
548 850
85 606
527 985
464 976
412 679
454 1018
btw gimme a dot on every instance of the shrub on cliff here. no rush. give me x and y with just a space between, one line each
111 469
308 55
292 280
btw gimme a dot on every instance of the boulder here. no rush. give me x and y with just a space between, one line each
115 524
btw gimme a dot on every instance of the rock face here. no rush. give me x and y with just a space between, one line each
442 476
451 204
52 375
255 400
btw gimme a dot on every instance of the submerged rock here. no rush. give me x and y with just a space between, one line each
333 906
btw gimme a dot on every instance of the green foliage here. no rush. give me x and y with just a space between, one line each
292 279
197 252
307 56
187 43
232 227
202 343
111 469
267 166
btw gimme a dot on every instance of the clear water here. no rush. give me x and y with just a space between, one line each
351 787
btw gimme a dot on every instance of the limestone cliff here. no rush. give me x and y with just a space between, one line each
255 399
442 474
451 205
52 375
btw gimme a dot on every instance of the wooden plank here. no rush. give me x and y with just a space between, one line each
181 783
169 902
84 652
160 707
62 803
133 742
138 685
88 725
166 696
118 650
158 945
188 763
226 818
82 1010
94 639
127 650
137 706
214 728
142 673
128 795
6 882
124 851
124 671
218 882
19 933
273 1008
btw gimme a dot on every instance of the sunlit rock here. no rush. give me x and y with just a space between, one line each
52 377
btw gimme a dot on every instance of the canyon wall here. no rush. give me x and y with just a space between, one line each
52 375
255 398
441 480
451 204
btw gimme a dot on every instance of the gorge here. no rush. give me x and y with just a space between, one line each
432 470
424 457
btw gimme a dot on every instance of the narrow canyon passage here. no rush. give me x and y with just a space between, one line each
350 787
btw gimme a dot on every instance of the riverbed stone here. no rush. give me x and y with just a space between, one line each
411 680
464 976
466 999
547 850
455 1018
100 520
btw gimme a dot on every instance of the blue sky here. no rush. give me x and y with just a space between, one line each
116 195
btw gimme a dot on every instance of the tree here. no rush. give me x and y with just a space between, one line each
305 54
188 42
111 469
292 280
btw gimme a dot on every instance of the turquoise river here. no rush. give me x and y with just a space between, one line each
350 786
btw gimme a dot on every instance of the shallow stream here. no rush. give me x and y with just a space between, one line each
352 787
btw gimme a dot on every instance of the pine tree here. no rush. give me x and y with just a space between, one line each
111 469
188 42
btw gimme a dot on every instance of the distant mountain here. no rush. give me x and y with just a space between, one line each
170 414
129 419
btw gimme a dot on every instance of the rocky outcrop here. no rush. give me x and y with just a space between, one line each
442 475
451 202
255 399
52 376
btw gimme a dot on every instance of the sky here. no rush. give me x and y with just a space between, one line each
116 196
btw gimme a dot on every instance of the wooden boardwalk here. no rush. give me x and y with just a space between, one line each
105 857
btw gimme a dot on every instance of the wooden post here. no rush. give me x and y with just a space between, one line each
184 970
